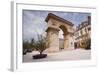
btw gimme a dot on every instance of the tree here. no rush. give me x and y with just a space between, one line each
32 43
40 44
86 44
26 47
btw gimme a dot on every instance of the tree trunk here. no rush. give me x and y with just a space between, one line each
41 52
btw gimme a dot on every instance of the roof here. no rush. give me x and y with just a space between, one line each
50 15
82 25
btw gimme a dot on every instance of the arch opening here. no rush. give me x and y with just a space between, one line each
61 40
62 37
63 28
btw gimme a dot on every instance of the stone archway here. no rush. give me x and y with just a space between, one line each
56 23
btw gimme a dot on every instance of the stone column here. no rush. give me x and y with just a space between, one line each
65 41
71 42
52 39
68 42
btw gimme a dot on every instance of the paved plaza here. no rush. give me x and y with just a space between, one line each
78 54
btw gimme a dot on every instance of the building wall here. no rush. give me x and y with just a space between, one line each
83 32
71 36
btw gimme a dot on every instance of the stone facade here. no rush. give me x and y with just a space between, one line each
56 23
73 35
83 32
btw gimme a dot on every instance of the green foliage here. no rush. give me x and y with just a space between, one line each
86 44
32 43
26 45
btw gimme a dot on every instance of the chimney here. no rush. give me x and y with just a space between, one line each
89 20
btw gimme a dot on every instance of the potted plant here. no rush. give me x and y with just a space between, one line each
40 45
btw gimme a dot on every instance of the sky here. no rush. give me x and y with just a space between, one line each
33 21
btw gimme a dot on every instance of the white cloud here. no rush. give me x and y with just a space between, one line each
34 22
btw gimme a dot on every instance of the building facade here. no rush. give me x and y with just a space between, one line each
82 33
73 37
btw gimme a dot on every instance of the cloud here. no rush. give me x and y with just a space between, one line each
34 21
32 25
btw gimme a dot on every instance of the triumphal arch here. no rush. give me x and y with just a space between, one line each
55 23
